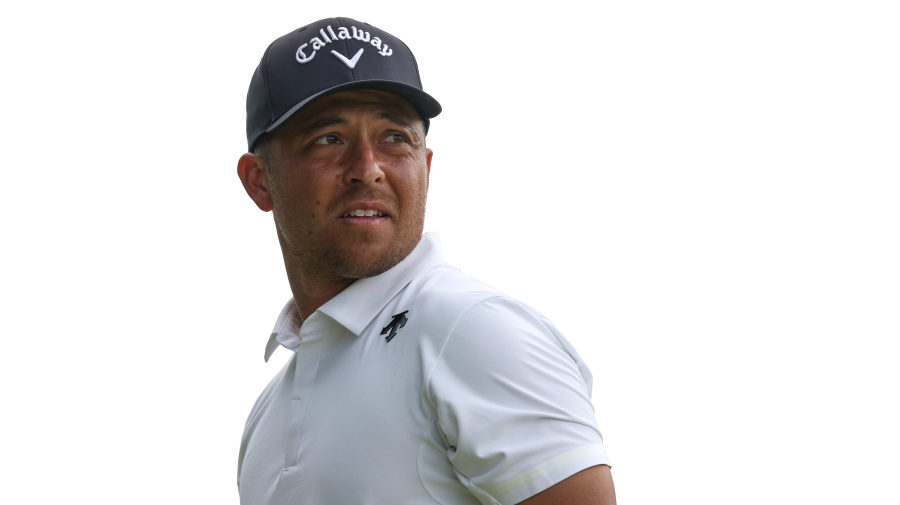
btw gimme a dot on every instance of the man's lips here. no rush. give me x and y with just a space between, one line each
365 209
365 217
363 213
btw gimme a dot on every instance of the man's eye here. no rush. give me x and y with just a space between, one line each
327 139
395 137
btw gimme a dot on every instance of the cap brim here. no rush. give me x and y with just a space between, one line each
425 104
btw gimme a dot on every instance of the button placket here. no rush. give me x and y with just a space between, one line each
308 357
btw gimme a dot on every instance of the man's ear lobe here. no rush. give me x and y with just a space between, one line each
251 170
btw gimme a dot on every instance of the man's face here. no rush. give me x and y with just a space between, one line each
348 178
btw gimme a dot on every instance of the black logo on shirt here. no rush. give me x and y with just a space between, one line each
399 321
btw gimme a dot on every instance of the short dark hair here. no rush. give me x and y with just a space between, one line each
263 149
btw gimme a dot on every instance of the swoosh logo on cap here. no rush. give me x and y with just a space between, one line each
349 63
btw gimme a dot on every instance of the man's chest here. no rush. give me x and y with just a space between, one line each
347 421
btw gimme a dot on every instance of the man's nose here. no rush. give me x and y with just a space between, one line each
364 166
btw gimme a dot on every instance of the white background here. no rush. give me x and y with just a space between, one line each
702 195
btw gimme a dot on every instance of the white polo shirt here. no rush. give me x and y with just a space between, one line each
418 386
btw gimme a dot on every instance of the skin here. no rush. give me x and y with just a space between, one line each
351 150
359 150
592 486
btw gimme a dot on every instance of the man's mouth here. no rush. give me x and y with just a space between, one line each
363 213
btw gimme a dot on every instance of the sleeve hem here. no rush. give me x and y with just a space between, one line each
533 481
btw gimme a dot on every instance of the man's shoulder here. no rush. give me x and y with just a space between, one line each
447 289
436 299
444 296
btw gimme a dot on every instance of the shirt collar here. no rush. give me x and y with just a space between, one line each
357 305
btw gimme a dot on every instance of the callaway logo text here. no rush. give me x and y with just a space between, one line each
328 36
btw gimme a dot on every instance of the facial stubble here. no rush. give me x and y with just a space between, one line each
320 260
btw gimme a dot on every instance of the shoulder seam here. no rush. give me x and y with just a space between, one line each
426 384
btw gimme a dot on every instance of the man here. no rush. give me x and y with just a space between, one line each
411 383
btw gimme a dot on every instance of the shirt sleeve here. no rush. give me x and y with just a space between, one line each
513 403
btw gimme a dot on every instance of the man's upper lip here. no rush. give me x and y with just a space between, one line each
376 206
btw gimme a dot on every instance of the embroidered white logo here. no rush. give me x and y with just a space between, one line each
349 63
342 34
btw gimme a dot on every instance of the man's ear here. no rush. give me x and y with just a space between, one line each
251 170
428 156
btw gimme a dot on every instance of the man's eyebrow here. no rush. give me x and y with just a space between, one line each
394 119
323 123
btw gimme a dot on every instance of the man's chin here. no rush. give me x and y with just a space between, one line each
361 261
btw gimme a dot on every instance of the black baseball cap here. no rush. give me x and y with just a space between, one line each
331 55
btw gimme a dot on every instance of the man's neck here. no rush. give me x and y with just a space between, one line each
310 295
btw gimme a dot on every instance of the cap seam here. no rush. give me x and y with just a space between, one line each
415 63
347 49
265 76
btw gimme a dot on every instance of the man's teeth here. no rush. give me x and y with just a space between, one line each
363 213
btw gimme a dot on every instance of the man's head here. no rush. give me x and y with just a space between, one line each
344 168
